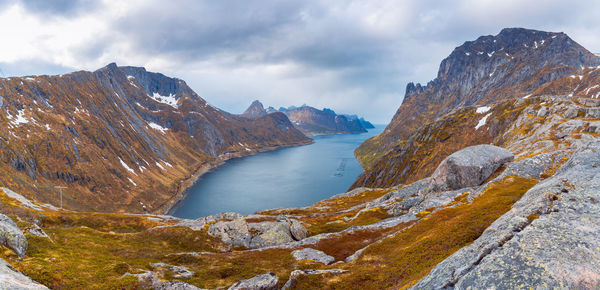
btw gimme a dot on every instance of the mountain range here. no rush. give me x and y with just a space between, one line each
486 178
312 121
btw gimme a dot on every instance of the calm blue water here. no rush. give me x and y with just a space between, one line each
288 177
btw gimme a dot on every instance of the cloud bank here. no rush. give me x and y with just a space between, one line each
351 56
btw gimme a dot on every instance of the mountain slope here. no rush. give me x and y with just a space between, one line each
537 213
513 64
119 138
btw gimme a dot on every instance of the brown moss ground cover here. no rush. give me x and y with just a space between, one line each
400 261
344 245
94 250
336 223
332 215
81 257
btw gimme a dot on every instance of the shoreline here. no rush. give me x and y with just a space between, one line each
183 187
332 133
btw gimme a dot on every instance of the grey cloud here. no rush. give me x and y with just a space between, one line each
337 59
58 7
32 67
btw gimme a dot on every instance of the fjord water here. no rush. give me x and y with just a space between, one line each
287 177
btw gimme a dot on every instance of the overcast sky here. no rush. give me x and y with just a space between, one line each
351 56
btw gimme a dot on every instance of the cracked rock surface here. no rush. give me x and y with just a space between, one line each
550 238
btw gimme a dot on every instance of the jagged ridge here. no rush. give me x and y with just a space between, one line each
312 121
515 63
119 138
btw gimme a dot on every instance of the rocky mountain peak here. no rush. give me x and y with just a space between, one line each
108 67
478 60
513 50
256 109
512 64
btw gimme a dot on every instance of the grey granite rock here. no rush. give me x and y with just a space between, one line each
571 113
12 237
176 285
313 255
261 282
557 250
149 280
239 233
298 273
35 230
181 272
297 230
469 167
234 233
592 112
12 279
178 271
269 234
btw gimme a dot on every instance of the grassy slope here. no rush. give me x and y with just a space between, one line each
402 260
94 250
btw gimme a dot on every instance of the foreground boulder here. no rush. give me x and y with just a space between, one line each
150 280
469 167
313 255
549 239
261 282
12 237
291 283
240 233
12 279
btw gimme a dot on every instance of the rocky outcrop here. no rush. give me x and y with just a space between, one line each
12 279
178 271
35 230
239 233
469 167
261 282
297 230
150 280
12 237
313 255
550 239
299 273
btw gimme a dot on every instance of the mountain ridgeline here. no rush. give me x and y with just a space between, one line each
312 121
514 64
119 138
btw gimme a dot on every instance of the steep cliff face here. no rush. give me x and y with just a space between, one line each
119 138
312 121
513 64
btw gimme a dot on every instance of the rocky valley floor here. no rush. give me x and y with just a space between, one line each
486 217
